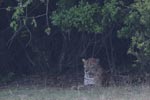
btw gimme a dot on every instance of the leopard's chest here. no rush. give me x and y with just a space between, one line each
89 80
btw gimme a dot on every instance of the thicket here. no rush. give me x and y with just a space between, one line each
53 36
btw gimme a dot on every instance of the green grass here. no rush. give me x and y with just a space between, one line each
51 93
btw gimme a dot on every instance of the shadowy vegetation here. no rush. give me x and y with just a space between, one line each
50 37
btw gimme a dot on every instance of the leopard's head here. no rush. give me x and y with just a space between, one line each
90 66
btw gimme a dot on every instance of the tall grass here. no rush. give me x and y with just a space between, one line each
141 92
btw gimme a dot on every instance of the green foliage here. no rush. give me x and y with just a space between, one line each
137 27
83 17
48 31
112 14
20 14
14 25
110 9
34 23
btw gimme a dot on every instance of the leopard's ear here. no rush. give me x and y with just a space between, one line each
83 60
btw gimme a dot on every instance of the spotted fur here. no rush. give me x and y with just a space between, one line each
92 72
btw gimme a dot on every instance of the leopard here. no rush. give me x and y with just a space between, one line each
93 72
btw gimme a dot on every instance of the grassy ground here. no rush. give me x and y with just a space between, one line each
51 93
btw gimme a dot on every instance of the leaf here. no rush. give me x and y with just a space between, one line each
34 23
48 31
8 9
14 25
80 17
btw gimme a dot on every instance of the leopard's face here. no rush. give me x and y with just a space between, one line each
90 66
90 72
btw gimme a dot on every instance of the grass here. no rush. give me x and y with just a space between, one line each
54 93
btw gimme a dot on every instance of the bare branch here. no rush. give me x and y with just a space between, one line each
38 16
10 41
30 36
47 10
